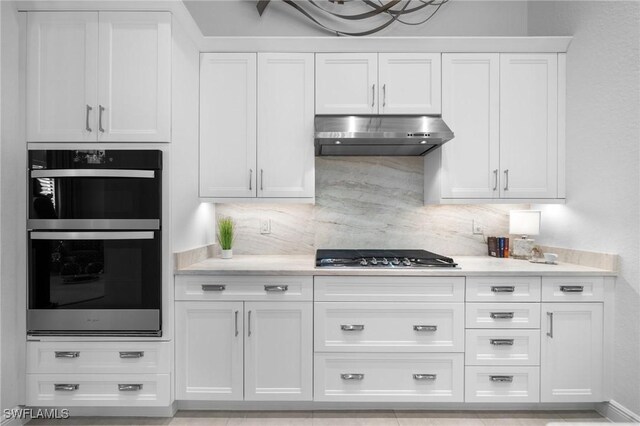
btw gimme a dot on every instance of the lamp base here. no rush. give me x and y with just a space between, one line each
521 248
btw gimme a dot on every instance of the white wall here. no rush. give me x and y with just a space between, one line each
456 18
603 160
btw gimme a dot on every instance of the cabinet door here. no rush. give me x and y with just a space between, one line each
135 77
529 125
228 125
409 83
571 358
346 83
471 107
285 124
209 341
279 351
62 76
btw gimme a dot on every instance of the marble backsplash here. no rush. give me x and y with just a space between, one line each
366 202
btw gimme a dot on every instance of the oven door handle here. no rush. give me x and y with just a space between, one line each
107 173
148 235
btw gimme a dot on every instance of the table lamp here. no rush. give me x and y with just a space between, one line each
523 223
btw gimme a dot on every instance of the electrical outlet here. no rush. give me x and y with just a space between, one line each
477 229
265 226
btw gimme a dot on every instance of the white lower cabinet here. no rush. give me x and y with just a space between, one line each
389 377
572 352
502 347
502 384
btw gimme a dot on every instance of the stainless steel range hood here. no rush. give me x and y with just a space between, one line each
380 135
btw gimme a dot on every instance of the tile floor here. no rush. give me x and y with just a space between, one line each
344 418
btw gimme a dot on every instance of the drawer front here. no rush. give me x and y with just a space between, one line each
502 384
266 288
503 315
502 347
503 289
105 390
573 289
389 327
389 289
98 357
389 377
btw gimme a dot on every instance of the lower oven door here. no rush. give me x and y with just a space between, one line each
94 282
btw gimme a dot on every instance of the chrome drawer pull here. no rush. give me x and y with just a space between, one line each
425 376
505 379
133 354
501 342
503 289
213 287
501 315
352 376
129 387
67 354
550 332
571 288
425 328
66 387
276 287
352 327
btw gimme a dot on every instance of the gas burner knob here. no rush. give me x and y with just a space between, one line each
363 262
395 261
406 262
374 261
385 262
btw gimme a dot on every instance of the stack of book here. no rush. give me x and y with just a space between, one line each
498 246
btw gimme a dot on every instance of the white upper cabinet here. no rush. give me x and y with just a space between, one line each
470 106
228 125
346 83
529 125
98 76
62 76
286 157
135 76
409 83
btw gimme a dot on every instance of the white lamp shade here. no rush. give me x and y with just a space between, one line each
524 222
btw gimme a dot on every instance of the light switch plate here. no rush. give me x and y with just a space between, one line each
265 226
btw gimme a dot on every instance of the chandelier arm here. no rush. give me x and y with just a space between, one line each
378 10
427 18
397 12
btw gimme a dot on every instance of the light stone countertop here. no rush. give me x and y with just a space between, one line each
305 265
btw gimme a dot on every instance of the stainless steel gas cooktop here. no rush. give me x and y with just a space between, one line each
382 259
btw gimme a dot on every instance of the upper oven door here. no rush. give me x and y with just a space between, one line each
95 188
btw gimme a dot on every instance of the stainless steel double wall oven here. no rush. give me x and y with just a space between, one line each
95 246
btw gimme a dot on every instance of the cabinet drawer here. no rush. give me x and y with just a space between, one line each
503 289
99 357
212 287
105 390
389 289
502 384
503 315
389 377
389 327
502 347
573 289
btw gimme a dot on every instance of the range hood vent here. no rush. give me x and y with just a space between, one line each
379 135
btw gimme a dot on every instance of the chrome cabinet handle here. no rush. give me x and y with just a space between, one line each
87 127
505 379
425 376
249 324
503 289
261 180
571 288
506 180
501 315
352 327
236 314
384 94
66 387
101 109
67 354
373 95
134 235
213 287
250 178
132 354
106 173
501 342
495 179
352 376
550 332
129 387
276 288
425 327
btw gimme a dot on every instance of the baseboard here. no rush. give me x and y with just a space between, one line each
617 412
12 421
